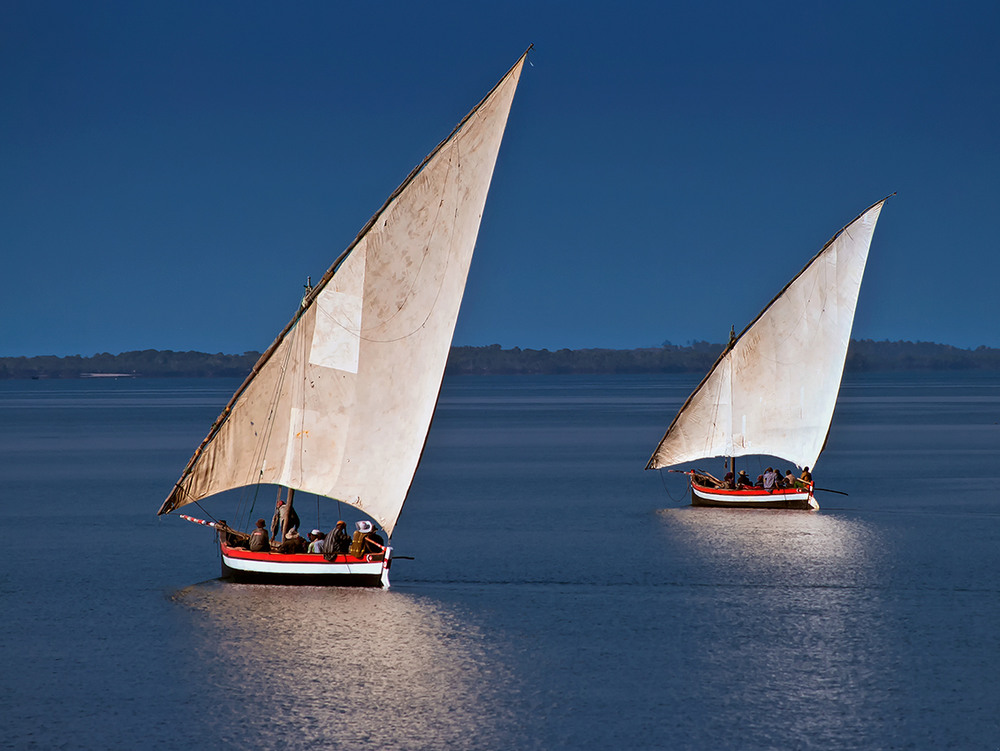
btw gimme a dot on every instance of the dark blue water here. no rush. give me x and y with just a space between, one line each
560 596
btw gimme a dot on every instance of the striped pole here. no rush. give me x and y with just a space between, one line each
197 521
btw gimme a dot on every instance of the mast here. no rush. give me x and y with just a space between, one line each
732 459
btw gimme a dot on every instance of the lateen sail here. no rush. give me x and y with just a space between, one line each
341 403
773 392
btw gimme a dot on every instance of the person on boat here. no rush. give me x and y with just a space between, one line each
338 542
293 543
791 481
759 482
806 476
341 537
316 538
374 541
259 541
366 540
743 480
771 479
278 520
728 481
357 548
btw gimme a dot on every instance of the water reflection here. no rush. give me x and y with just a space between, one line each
797 601
358 668
768 545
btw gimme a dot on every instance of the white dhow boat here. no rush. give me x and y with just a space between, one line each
340 404
773 390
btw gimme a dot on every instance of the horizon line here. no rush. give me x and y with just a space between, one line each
688 344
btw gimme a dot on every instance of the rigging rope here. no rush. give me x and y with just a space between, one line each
667 490
244 513
196 503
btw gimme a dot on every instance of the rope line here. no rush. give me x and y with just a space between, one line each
666 489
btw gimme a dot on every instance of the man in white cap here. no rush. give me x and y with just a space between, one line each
316 541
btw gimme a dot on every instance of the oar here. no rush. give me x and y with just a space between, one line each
828 490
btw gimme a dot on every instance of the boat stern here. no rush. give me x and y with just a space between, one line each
386 565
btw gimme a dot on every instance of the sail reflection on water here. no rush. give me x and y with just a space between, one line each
417 675
816 546
802 599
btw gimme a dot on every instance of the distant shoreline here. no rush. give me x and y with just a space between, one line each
863 355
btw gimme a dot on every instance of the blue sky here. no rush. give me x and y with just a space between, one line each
173 171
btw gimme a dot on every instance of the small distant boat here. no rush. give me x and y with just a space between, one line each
341 403
774 388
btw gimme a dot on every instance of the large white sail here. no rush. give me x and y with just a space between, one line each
341 404
773 392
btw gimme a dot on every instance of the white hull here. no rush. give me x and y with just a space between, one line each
303 568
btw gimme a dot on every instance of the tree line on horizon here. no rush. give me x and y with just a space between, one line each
863 355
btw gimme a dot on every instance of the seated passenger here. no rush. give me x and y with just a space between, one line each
293 543
789 481
259 541
358 547
374 541
770 479
728 481
806 476
337 542
316 542
743 481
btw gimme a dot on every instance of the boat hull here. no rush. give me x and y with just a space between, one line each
246 567
789 498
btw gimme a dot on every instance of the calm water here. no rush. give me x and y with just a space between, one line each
560 596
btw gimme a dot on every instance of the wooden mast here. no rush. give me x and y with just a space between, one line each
732 459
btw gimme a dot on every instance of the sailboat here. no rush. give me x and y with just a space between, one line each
773 389
341 402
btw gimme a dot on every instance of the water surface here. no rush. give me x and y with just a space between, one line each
560 596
